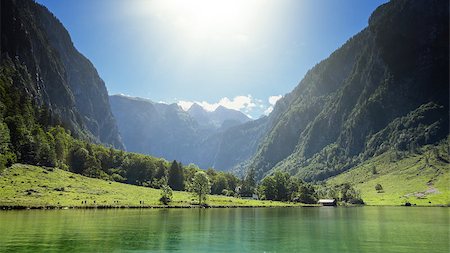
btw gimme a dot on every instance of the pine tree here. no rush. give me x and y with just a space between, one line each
176 176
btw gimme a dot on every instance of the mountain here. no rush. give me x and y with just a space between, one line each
386 88
192 136
40 62
152 128
236 145
221 117
200 115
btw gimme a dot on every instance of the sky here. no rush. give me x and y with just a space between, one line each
242 54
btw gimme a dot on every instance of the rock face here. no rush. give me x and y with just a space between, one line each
387 87
152 128
193 136
62 79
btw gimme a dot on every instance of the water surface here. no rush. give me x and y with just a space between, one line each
358 229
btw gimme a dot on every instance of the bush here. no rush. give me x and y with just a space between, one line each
166 194
356 201
227 192
378 188
118 178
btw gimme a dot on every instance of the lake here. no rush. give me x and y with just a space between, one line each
325 229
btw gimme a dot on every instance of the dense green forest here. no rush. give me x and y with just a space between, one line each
283 187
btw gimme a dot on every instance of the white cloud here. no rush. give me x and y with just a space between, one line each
207 106
246 104
240 103
273 99
268 110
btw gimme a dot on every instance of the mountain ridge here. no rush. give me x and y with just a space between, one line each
385 72
217 117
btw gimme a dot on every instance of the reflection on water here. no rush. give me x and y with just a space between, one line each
362 229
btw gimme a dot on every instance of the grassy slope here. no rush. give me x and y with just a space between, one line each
25 185
408 179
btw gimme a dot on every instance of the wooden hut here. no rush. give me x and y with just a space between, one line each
327 202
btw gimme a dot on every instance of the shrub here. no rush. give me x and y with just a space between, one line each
166 194
378 188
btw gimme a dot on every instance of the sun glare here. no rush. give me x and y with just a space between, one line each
204 19
197 40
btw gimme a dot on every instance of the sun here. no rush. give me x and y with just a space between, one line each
210 16
205 18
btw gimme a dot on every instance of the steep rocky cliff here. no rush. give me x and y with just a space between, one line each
46 67
385 88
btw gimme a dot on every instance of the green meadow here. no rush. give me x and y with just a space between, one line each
32 186
422 178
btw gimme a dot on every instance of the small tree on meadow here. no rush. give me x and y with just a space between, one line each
166 194
200 186
378 188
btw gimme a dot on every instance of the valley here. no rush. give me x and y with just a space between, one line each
369 101
224 126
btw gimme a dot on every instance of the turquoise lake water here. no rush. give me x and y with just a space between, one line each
356 229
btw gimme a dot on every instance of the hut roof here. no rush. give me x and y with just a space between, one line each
327 201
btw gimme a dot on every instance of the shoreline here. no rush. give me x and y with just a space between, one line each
50 207
19 207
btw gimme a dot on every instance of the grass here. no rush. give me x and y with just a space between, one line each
408 179
31 186
422 179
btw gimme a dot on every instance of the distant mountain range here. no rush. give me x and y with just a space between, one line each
221 118
166 130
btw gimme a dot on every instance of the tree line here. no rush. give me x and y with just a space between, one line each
283 187
31 134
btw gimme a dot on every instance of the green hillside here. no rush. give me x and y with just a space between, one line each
375 93
32 186
422 178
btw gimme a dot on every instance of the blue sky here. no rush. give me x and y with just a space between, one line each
243 54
